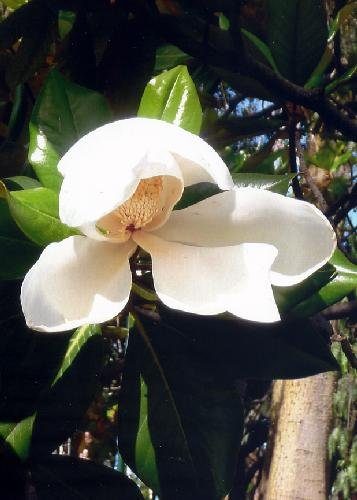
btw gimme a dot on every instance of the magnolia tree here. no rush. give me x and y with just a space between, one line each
142 217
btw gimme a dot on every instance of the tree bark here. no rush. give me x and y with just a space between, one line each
297 467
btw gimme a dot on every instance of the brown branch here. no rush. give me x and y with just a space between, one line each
308 177
340 310
292 157
218 49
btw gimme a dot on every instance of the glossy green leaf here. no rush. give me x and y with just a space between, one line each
18 436
262 47
342 283
180 427
330 158
297 35
63 113
172 97
276 183
58 477
35 211
17 253
346 11
77 341
168 56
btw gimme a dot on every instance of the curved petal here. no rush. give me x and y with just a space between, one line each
75 282
213 280
303 236
106 170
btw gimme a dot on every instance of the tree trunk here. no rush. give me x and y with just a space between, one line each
301 420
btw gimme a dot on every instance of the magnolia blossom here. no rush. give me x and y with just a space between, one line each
121 183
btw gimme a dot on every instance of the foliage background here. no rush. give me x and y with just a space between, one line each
275 82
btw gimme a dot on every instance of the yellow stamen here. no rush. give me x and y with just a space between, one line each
143 205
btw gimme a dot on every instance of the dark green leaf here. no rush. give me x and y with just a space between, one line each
341 284
297 34
21 182
33 47
195 193
198 192
262 47
172 97
289 297
35 211
16 24
59 477
17 254
58 410
237 348
316 76
71 391
66 20
168 56
63 113
179 425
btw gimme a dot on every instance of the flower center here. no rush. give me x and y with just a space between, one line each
142 206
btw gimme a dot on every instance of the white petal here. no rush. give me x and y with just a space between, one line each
213 280
103 177
75 282
103 168
303 236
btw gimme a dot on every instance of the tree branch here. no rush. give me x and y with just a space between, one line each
218 48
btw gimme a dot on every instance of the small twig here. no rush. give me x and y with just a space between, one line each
341 310
308 177
346 348
292 157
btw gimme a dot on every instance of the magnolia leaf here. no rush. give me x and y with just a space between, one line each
58 476
66 20
168 56
172 97
71 391
340 18
25 435
315 78
297 34
276 183
262 47
35 211
342 283
17 253
21 182
198 192
62 114
179 430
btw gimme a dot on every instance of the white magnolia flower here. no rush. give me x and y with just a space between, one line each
120 185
